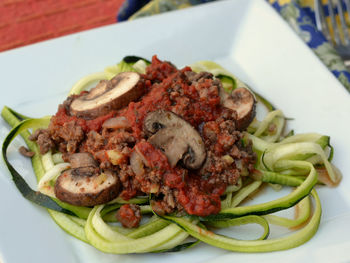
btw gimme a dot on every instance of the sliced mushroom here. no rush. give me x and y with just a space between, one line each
108 95
77 160
242 102
173 146
176 137
86 187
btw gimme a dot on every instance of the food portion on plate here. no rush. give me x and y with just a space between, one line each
153 154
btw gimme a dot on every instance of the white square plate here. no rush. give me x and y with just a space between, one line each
245 36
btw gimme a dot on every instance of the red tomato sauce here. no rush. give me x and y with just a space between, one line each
195 194
62 117
163 75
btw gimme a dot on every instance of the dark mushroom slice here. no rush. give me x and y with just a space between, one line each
176 137
173 146
78 160
108 95
242 101
87 187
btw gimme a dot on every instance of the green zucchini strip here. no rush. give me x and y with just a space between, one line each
111 71
182 246
269 106
84 82
226 203
276 178
47 161
69 224
80 211
146 209
109 208
307 137
140 66
231 244
295 151
174 242
276 205
77 220
135 200
21 184
149 228
103 229
9 114
57 158
44 185
303 207
134 59
140 245
275 118
244 192
129 63
234 188
243 221
229 193
259 145
303 212
179 248
109 212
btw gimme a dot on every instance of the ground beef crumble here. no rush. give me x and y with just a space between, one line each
129 215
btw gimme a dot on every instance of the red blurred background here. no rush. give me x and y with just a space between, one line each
24 22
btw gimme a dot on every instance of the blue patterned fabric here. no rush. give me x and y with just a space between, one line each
130 7
298 14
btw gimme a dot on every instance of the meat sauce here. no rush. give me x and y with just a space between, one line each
62 117
195 98
192 105
129 215
195 195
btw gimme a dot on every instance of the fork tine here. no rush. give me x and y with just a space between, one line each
343 22
321 22
334 23
347 4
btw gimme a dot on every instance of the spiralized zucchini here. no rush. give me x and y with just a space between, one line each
287 161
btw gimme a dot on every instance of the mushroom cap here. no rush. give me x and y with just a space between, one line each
173 146
176 137
108 95
82 160
242 101
85 187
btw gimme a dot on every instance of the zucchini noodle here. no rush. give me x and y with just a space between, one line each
284 161
51 174
83 83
